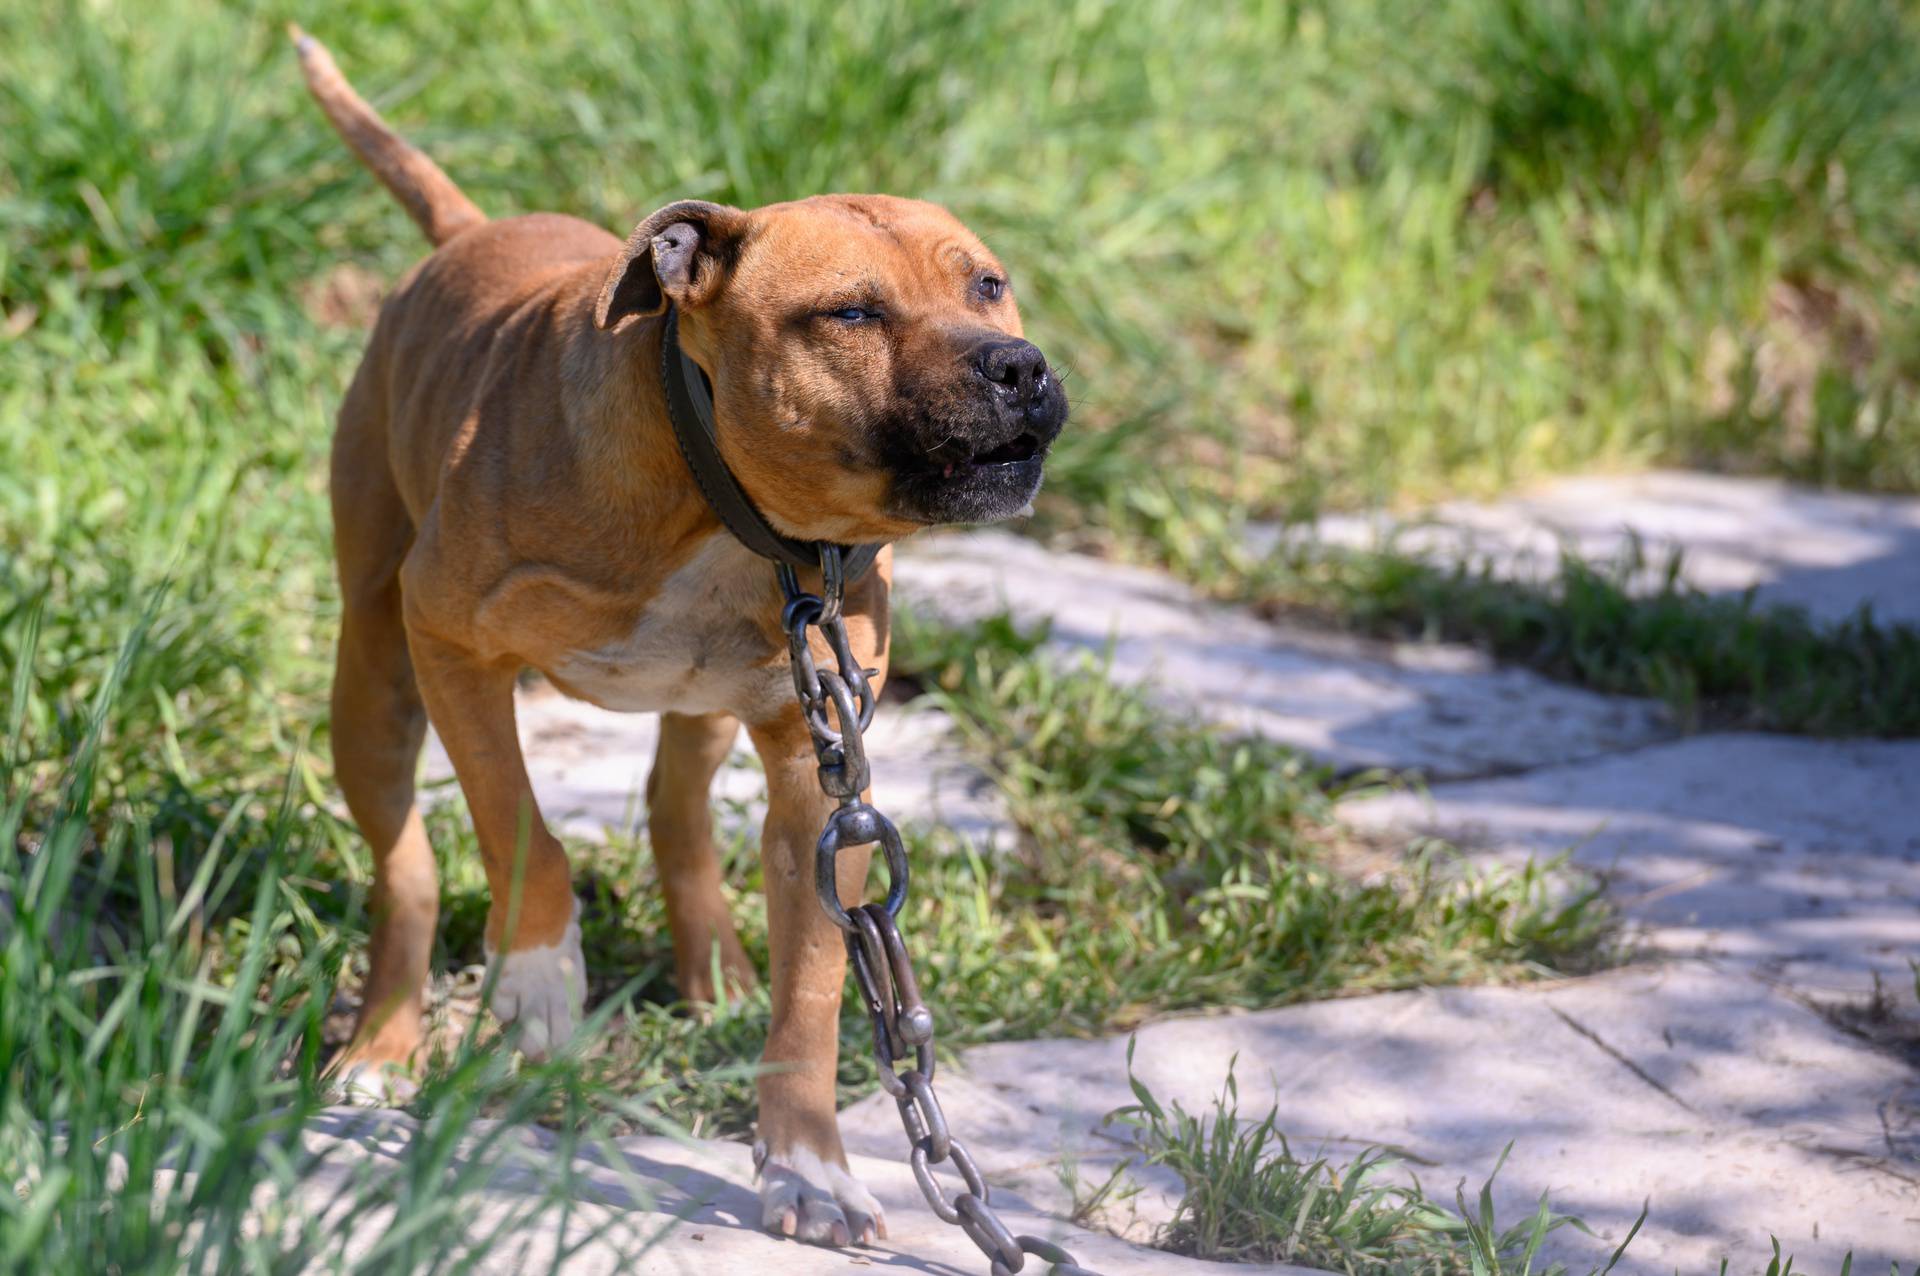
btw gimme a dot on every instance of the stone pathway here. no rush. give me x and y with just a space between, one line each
1778 876
1796 860
1731 1109
1734 1074
1444 710
1827 552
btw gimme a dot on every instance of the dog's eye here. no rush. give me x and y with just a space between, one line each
989 288
853 314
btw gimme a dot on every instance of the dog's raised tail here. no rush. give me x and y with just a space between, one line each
429 195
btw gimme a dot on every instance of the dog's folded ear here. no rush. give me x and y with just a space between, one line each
678 255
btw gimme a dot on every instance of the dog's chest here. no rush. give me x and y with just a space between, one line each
698 647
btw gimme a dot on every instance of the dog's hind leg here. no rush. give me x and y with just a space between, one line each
378 726
681 829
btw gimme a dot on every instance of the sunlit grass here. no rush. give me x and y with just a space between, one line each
160 1056
1247 1197
1364 249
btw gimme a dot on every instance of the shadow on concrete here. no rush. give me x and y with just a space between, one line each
632 1197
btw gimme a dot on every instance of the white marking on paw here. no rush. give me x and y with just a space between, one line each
375 1085
814 1200
543 990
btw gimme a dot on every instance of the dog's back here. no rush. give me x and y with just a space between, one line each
433 356
486 282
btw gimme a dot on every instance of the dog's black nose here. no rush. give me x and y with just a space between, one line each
1016 368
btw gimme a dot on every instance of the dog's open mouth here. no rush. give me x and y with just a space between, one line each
1023 447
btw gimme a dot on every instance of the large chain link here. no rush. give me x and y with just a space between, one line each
902 1023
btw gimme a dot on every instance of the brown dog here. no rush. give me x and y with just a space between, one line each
507 493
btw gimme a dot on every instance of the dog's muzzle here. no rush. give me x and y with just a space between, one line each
987 460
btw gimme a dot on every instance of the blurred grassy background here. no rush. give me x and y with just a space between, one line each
1294 254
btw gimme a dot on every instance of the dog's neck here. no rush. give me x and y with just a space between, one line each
616 419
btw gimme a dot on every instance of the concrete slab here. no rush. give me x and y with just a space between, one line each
1828 552
1799 858
1445 711
1735 1110
666 1207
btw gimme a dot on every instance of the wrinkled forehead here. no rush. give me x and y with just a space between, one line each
815 246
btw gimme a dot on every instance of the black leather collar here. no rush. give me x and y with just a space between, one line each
690 407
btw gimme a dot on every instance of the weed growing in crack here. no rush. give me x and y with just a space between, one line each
1248 1198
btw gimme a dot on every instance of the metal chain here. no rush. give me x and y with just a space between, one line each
875 950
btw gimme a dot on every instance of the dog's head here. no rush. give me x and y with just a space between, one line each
869 372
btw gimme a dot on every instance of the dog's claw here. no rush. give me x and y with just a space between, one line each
817 1202
822 1223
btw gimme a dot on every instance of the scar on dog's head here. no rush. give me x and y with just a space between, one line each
869 368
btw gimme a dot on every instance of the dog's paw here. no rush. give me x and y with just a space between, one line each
366 1084
813 1200
542 990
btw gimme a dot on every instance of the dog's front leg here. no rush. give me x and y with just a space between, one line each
533 922
806 1189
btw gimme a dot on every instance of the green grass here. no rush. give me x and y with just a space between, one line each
165 995
1170 866
155 1078
1718 662
1247 1198
1448 249
1365 248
